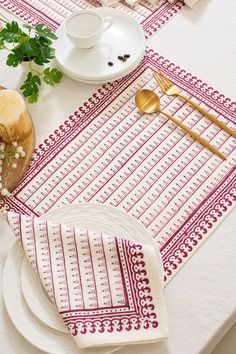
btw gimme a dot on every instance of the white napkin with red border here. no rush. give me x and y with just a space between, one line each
107 290
190 3
111 3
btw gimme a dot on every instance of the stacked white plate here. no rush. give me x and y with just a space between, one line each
124 37
28 305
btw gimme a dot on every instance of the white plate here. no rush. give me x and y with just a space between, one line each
97 82
37 300
94 217
125 36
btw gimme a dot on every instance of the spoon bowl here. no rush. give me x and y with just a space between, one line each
147 101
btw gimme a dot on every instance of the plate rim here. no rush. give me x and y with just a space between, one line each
101 82
23 276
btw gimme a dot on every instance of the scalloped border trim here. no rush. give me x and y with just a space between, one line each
145 315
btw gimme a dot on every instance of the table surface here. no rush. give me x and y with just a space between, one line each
202 296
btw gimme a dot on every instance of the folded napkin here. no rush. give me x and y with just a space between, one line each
113 3
190 3
107 290
109 3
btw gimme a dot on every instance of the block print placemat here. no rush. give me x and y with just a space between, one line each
53 12
108 152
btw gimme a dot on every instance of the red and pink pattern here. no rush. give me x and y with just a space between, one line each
100 284
53 12
108 152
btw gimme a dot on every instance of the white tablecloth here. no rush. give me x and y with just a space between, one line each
202 296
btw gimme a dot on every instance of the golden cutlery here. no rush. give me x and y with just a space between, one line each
148 102
171 89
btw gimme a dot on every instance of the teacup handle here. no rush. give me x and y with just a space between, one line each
107 22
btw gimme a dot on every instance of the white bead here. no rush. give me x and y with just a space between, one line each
2 146
19 149
5 192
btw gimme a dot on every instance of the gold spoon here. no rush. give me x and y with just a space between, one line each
148 102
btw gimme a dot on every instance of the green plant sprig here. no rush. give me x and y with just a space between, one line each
37 48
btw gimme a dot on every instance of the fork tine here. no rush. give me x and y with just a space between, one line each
165 78
164 83
157 77
161 82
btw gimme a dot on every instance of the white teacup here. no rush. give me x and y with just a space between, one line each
85 28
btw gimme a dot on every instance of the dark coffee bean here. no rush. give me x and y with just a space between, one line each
120 57
127 56
110 63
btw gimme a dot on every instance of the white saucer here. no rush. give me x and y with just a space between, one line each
98 82
94 217
125 36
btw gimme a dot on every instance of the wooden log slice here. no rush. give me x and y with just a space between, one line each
12 176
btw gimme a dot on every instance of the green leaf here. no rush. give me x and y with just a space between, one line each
2 46
23 39
45 32
34 97
15 57
13 60
11 32
30 87
46 53
52 76
30 48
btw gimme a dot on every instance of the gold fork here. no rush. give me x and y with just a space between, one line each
171 89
